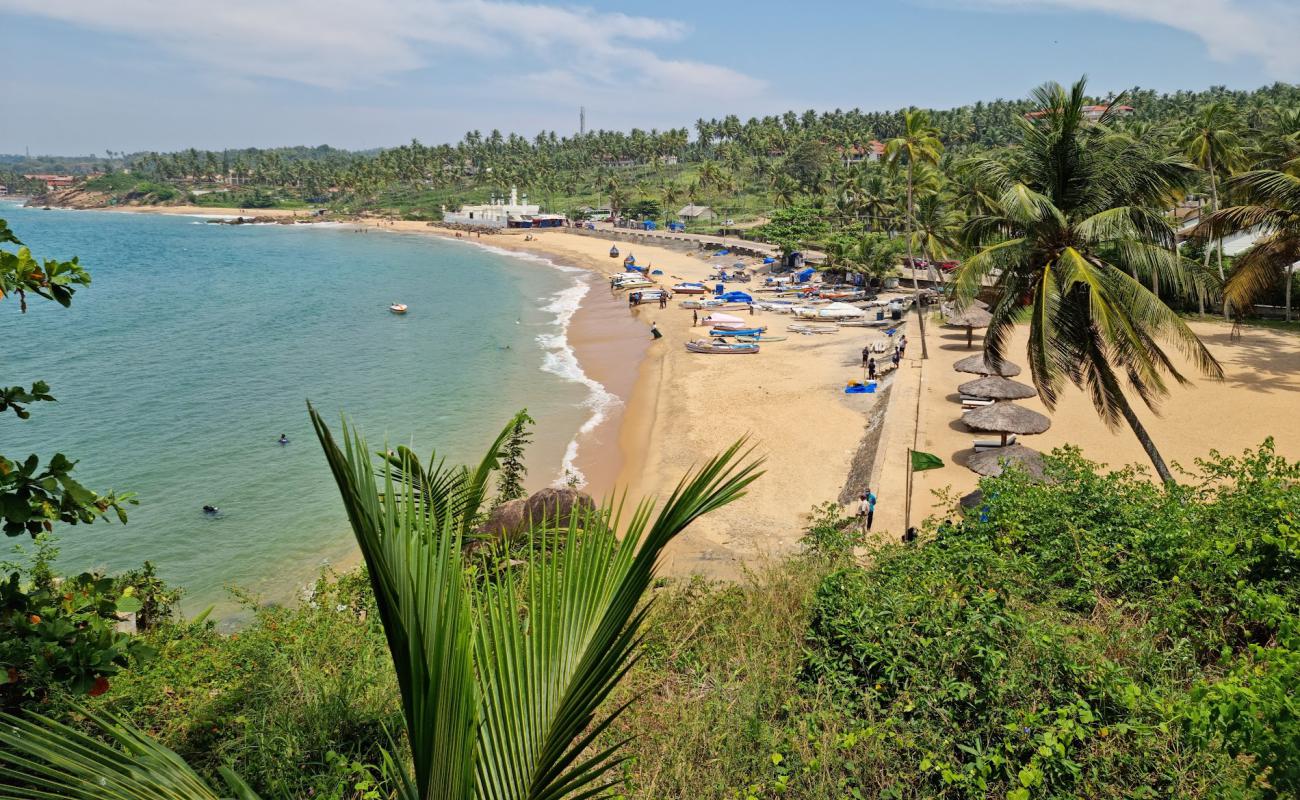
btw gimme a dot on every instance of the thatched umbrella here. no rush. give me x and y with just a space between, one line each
970 318
992 462
979 366
995 388
1006 418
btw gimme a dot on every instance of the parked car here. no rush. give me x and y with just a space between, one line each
916 263
949 266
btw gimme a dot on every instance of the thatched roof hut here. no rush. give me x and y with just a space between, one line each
970 318
997 388
1006 418
993 462
978 365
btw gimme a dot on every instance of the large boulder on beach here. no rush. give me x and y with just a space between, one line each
505 520
557 506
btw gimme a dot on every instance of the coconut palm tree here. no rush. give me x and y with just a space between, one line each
494 707
918 142
937 229
1212 140
1272 208
1071 226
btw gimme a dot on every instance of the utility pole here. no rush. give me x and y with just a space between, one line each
582 120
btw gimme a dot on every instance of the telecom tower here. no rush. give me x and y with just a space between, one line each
582 120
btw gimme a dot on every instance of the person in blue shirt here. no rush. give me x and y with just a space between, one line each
867 508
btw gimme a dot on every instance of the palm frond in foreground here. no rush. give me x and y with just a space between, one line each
502 685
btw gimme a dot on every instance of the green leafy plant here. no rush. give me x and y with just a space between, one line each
501 687
61 633
32 497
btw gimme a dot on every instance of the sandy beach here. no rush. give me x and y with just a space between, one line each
1259 397
681 408
686 407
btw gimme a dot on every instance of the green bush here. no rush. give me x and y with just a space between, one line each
1049 645
60 635
1090 637
299 700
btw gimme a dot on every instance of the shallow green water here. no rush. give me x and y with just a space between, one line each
198 344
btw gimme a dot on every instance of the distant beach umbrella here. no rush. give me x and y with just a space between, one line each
996 388
1006 418
970 318
979 366
993 462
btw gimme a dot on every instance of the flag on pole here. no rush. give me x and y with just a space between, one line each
923 461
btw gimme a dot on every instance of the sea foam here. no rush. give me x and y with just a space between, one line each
560 359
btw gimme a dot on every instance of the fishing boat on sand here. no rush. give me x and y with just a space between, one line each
613 252
398 308
709 302
737 331
690 288
721 347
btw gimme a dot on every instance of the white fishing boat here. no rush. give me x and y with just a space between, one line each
721 347
831 311
631 280
706 302
690 288
398 308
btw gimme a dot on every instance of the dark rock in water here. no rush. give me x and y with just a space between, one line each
557 506
262 220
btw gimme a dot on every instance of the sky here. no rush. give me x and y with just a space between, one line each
86 76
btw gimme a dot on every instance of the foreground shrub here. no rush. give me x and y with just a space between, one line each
1058 641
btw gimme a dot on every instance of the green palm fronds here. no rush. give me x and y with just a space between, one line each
503 683
41 759
1071 232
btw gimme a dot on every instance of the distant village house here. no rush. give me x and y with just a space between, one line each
694 213
501 214
1090 113
53 182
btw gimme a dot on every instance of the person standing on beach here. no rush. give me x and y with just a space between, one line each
871 369
866 355
695 318
654 331
751 309
867 509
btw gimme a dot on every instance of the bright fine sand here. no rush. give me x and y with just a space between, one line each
1259 397
686 407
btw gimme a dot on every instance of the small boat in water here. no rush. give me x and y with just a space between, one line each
721 347
398 308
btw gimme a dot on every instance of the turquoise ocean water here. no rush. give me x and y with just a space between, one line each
197 345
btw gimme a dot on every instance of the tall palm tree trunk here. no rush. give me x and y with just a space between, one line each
1214 206
1140 431
1290 277
911 262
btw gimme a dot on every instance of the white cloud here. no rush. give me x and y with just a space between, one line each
342 43
1267 30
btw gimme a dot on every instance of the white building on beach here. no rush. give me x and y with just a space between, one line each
496 214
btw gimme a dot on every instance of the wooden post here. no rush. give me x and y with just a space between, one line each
907 505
